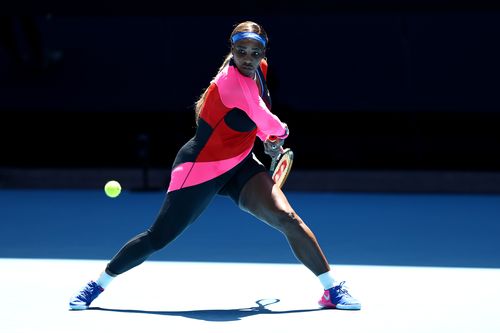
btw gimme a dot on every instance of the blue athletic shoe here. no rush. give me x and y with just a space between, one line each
339 298
82 299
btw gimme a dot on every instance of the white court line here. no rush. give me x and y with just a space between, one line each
220 297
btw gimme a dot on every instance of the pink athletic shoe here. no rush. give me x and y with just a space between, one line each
339 298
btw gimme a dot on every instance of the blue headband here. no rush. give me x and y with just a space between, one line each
251 35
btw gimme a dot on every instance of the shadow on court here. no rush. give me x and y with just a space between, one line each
218 314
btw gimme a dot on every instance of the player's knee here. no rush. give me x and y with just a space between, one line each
287 222
159 239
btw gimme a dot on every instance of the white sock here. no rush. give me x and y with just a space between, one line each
327 280
104 280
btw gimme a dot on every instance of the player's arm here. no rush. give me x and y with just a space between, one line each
241 92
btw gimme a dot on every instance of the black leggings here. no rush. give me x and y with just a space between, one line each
179 210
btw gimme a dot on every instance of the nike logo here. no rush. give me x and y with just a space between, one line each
326 296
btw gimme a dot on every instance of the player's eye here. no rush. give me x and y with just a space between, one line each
256 54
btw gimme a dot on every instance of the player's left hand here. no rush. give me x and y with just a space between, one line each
273 147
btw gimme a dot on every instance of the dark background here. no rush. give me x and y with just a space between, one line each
363 85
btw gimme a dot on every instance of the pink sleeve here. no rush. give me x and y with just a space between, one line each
238 91
262 136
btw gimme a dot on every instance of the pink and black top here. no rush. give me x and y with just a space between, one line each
232 116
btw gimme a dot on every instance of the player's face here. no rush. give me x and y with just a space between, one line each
247 54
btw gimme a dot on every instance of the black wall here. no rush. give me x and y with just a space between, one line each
362 88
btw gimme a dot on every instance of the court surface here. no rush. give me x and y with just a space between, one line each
418 263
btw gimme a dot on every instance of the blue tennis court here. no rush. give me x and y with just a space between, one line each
417 262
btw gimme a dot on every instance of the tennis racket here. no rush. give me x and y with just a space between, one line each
281 166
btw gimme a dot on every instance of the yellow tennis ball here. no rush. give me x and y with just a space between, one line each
112 188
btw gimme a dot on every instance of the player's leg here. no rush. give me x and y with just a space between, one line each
180 208
267 202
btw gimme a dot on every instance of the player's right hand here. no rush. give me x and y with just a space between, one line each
273 147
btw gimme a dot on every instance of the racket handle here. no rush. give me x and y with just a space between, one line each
274 161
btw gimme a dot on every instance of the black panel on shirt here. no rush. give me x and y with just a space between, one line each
238 120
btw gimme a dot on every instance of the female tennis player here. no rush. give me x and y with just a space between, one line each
218 160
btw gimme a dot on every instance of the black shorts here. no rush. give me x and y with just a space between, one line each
249 168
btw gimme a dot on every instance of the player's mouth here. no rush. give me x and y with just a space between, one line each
248 69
